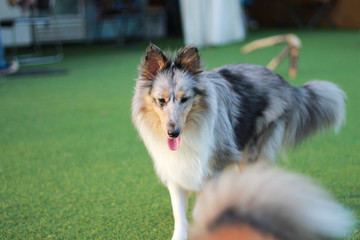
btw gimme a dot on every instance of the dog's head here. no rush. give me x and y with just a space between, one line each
172 88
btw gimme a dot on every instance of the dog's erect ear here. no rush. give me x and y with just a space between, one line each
154 61
188 59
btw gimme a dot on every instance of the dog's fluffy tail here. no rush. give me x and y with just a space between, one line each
272 201
317 105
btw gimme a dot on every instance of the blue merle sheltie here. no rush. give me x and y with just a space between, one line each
195 122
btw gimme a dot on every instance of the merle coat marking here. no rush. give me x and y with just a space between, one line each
195 122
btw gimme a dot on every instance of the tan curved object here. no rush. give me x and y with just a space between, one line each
293 48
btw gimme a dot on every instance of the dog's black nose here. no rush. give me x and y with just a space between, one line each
174 133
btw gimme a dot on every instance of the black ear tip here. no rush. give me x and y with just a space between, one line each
191 48
153 47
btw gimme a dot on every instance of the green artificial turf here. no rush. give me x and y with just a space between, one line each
73 167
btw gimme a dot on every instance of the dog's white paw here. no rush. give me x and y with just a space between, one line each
176 237
180 235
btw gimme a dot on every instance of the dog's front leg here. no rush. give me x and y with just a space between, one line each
179 206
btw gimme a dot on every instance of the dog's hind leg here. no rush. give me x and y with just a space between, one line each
266 145
179 205
272 143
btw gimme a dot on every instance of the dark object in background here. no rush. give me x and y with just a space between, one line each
126 11
37 14
277 13
174 27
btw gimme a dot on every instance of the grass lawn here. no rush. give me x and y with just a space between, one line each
73 167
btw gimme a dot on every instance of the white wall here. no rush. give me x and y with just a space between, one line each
22 33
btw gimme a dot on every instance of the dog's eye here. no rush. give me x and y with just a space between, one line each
161 102
184 99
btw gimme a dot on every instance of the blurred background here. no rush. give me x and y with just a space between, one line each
35 25
90 21
71 163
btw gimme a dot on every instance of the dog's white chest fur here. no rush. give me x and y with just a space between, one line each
188 166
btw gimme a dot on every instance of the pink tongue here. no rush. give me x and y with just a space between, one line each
173 143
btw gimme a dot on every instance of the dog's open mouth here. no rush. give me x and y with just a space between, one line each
173 143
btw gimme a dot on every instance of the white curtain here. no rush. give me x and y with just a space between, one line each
212 22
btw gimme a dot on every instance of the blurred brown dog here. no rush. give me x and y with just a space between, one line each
263 203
